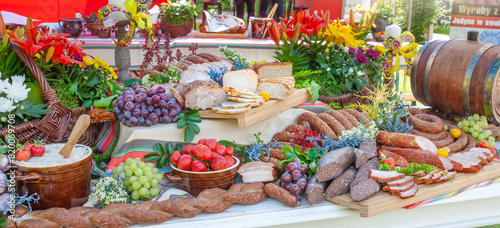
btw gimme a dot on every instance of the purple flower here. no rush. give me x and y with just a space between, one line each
352 50
361 58
373 53
78 57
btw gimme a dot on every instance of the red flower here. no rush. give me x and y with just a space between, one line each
275 32
312 24
60 57
28 43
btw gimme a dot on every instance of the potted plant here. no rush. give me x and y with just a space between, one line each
177 17
94 25
383 13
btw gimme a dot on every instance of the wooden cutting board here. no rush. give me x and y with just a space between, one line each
268 109
220 35
384 201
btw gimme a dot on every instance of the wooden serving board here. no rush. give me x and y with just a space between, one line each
220 35
268 109
384 201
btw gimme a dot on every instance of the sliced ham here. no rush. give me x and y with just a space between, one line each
423 180
398 159
409 193
486 151
467 165
436 177
471 157
385 176
446 163
419 173
400 182
398 189
445 178
458 167
480 155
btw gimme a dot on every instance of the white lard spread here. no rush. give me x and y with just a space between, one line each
52 157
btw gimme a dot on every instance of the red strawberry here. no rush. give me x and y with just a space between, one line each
230 161
28 145
230 151
204 153
23 154
184 162
174 158
218 162
212 144
202 141
38 149
198 166
220 150
196 148
187 149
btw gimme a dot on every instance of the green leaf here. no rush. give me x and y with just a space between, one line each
132 80
151 157
92 82
188 135
87 103
182 123
169 149
313 153
159 163
193 112
178 147
73 88
106 102
159 149
289 153
225 143
194 118
165 160
3 222
195 128
283 161
182 116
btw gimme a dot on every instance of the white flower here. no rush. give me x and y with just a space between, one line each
346 49
3 84
6 105
351 71
17 91
360 73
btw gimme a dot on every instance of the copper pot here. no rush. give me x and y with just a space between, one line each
58 186
195 182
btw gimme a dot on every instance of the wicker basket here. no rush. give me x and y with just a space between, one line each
54 127
349 98
176 30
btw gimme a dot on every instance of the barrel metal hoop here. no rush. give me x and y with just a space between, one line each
413 78
468 76
488 88
428 71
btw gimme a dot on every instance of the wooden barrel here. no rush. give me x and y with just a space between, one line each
458 77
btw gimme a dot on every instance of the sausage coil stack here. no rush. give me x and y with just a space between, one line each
331 123
213 200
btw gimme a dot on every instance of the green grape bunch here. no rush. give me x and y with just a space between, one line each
141 179
475 126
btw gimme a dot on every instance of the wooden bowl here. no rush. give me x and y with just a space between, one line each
195 182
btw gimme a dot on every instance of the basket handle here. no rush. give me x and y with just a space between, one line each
30 63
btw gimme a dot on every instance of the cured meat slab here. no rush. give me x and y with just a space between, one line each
268 109
383 201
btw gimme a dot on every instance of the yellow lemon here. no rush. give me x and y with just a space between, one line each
265 95
455 133
442 152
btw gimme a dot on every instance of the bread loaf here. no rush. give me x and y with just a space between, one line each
272 70
213 200
241 79
278 88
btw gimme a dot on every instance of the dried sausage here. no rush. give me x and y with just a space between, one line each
281 194
341 118
332 122
444 142
314 191
351 118
369 147
358 115
333 163
340 185
431 136
364 189
283 136
296 127
427 123
317 123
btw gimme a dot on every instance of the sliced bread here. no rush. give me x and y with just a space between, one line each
234 105
221 110
272 70
244 96
239 91
245 100
242 79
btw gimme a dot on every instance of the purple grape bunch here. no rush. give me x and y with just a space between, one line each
294 179
138 106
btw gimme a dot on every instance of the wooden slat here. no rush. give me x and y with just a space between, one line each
384 201
268 109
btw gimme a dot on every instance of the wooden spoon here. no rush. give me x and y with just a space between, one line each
81 126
